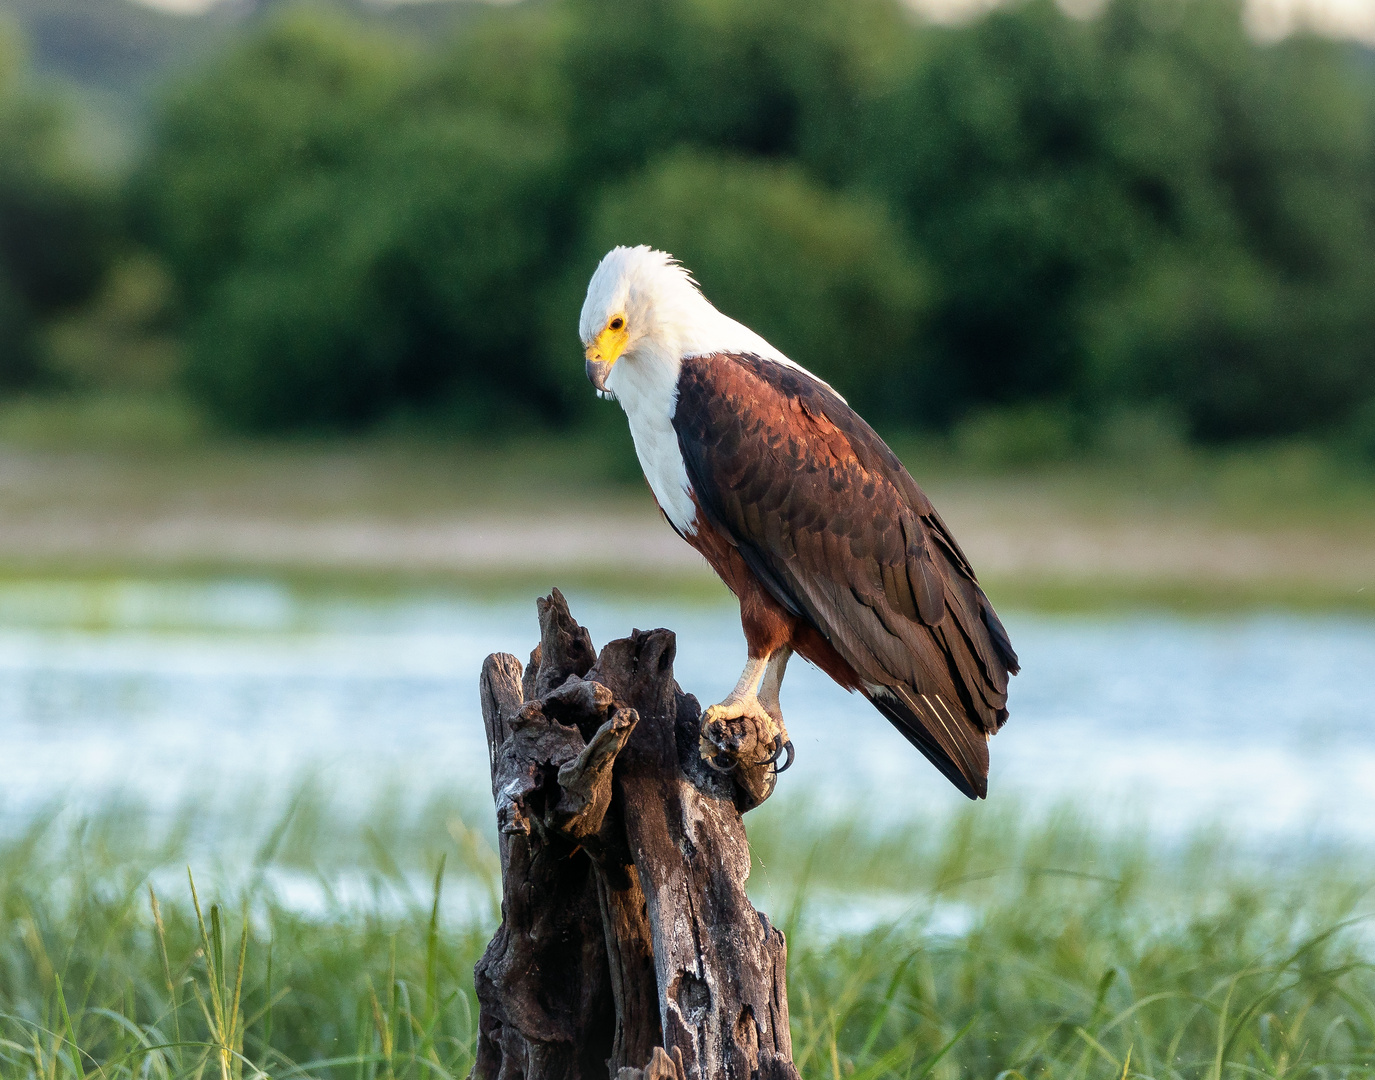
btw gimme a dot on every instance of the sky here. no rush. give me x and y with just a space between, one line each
1273 19
1268 19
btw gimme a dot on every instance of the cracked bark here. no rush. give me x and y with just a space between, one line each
628 948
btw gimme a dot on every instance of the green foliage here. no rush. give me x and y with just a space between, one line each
1144 211
1016 436
297 103
350 239
990 150
1238 349
772 78
1142 206
116 46
1362 433
348 305
55 229
122 339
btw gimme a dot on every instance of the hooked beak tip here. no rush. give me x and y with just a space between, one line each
597 371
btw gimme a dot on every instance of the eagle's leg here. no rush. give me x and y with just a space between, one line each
768 697
740 730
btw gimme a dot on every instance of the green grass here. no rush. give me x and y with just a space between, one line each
1008 945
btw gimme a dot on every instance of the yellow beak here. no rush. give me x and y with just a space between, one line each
603 353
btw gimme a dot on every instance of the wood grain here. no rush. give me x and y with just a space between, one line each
628 947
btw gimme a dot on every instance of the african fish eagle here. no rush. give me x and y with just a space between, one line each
830 546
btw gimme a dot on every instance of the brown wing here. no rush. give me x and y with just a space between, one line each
840 534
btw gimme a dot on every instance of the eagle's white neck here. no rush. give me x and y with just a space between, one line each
646 385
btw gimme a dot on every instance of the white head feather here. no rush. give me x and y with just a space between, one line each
664 309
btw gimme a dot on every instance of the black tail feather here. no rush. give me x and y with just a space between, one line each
959 752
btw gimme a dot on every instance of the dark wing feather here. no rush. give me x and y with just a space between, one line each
839 533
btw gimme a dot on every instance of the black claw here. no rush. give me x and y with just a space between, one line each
728 767
788 748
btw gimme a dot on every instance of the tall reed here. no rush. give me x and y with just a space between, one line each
986 944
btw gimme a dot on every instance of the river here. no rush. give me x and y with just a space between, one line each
160 690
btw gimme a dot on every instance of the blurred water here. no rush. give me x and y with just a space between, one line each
227 689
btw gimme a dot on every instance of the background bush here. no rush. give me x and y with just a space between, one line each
352 238
1030 215
1142 206
55 228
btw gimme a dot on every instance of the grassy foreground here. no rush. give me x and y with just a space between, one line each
986 945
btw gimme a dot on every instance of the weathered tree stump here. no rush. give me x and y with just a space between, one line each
627 946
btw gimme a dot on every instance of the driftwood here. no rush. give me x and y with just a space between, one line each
627 948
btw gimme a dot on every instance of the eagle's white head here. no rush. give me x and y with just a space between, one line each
644 314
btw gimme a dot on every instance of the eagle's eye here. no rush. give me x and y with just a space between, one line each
616 323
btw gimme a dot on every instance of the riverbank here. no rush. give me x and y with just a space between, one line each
1269 529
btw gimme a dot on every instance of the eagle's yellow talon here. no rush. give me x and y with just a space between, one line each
739 732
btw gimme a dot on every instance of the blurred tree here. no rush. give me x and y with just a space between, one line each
307 97
826 278
55 227
349 304
1146 205
1360 433
1252 315
996 151
1142 212
772 77
355 229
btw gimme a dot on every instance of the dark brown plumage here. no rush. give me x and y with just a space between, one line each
834 550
